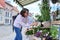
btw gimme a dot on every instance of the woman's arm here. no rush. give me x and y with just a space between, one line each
24 24
27 24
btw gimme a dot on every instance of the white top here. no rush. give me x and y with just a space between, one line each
53 7
20 22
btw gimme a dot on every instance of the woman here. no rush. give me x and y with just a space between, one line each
22 21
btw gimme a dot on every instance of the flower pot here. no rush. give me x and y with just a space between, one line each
46 24
36 38
32 37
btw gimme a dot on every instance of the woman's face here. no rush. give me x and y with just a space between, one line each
26 14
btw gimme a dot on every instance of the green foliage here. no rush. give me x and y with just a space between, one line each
39 18
33 30
44 11
54 31
45 31
30 32
36 29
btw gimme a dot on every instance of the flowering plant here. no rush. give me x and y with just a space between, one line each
38 34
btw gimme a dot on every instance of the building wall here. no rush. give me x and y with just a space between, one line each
1 16
6 14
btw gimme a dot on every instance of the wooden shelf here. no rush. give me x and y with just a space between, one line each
45 27
56 22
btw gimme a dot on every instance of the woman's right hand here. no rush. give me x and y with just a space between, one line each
34 24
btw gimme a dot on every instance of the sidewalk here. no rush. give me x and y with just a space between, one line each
6 33
10 37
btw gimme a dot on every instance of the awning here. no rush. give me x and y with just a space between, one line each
25 2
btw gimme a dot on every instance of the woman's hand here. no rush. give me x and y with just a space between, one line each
34 24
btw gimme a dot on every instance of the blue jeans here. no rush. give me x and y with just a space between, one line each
18 34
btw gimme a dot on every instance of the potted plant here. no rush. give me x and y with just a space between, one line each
45 12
